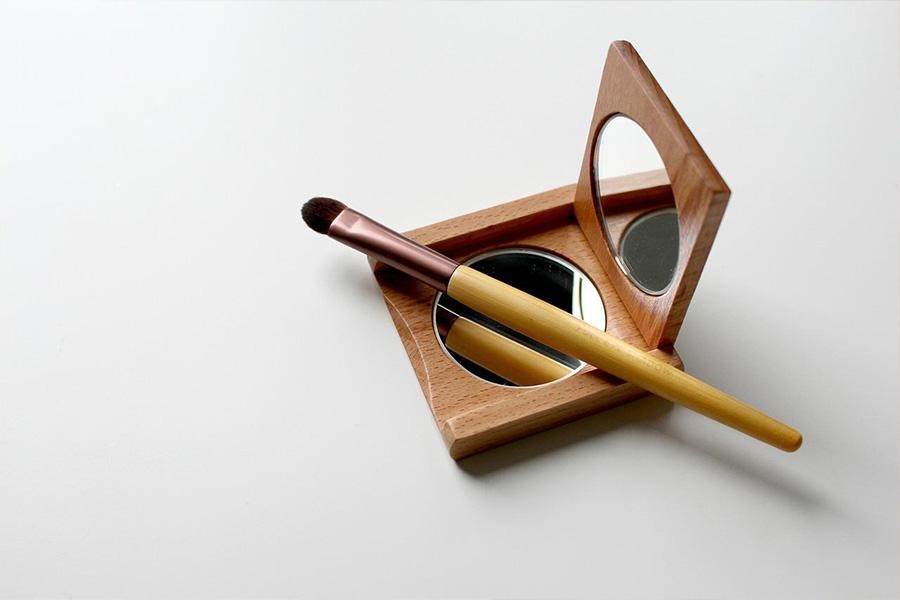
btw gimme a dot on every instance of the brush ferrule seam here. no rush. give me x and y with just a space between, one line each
387 246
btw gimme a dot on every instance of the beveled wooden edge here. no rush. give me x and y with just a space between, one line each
628 88
518 417
490 225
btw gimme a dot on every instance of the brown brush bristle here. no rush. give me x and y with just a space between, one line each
318 213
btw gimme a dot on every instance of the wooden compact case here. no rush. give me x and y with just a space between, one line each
473 414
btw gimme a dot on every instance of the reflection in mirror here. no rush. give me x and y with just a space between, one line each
641 229
500 355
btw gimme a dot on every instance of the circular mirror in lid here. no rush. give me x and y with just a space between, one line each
641 229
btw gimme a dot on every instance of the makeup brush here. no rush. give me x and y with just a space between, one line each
542 321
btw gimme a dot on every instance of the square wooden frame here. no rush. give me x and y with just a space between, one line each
628 88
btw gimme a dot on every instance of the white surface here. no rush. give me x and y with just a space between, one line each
200 397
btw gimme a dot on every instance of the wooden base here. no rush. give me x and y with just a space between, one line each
474 415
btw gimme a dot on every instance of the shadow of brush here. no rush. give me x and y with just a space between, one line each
743 465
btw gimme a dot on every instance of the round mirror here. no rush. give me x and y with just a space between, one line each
641 227
499 355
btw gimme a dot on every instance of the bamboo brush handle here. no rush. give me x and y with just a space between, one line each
500 355
569 334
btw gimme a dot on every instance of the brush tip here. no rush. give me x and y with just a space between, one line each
319 213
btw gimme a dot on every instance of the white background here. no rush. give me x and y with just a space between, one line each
200 397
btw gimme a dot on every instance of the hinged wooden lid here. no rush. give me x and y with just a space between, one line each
628 88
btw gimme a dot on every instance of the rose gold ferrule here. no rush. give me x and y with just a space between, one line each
383 244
